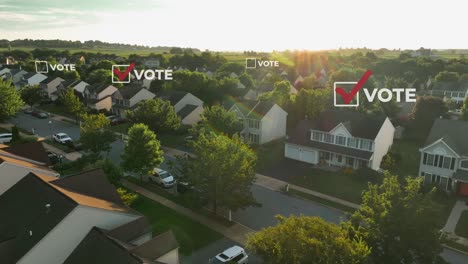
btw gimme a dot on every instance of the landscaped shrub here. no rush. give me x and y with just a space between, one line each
349 171
367 174
388 162
127 197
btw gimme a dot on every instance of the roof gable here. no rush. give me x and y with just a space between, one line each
453 133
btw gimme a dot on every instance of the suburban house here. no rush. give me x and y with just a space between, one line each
80 87
444 157
263 121
49 87
33 151
16 75
186 105
341 138
65 85
14 167
80 218
127 97
99 96
33 78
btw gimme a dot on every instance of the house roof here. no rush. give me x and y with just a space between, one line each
128 91
158 246
97 87
70 83
96 247
260 109
358 124
266 87
450 86
301 136
33 151
29 75
173 96
47 80
131 230
25 217
23 163
92 183
186 110
452 132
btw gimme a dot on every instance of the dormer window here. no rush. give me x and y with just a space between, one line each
317 136
340 140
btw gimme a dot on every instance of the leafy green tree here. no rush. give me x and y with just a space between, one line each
142 152
100 76
246 80
223 171
157 114
310 82
113 172
72 103
218 120
306 239
71 75
399 222
426 110
446 76
10 100
280 94
15 134
465 109
105 65
95 134
127 197
31 95
229 67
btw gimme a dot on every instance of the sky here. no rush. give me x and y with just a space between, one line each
238 25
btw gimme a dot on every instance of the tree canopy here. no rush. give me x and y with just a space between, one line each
10 100
157 114
95 135
305 239
218 120
31 95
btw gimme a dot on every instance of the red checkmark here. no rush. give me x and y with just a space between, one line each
123 75
348 97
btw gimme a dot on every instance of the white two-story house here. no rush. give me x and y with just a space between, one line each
127 97
444 157
341 138
49 87
263 121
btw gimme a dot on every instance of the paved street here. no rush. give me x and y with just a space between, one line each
274 203
43 128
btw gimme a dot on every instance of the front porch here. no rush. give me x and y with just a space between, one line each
335 160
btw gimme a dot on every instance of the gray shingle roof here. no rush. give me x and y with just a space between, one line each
186 110
453 133
97 87
173 96
158 246
33 151
128 91
131 230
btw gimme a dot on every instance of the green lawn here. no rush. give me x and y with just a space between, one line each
462 225
337 184
121 128
269 153
191 235
408 150
174 140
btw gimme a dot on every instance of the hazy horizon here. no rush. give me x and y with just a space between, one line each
241 25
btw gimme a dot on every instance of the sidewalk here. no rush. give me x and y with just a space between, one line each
236 232
449 228
275 184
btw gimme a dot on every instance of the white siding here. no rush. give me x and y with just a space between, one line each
188 99
273 124
340 130
60 242
383 142
105 103
52 86
301 153
80 87
193 117
10 174
439 148
171 257
143 94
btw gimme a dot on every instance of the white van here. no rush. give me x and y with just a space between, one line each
234 254
5 138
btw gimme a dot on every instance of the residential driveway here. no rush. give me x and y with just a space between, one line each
45 129
274 203
454 257
203 255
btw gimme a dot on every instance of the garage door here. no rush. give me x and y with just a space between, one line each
301 154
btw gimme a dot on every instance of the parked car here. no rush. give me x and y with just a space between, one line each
162 177
5 138
41 115
117 120
233 254
62 138
28 111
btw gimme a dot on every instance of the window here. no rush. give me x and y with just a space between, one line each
364 144
362 163
352 142
464 164
441 161
241 256
350 161
436 160
325 155
339 158
254 138
425 158
328 138
452 164
446 163
254 123
430 159
340 140
317 136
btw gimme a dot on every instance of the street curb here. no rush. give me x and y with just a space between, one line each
455 249
309 200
